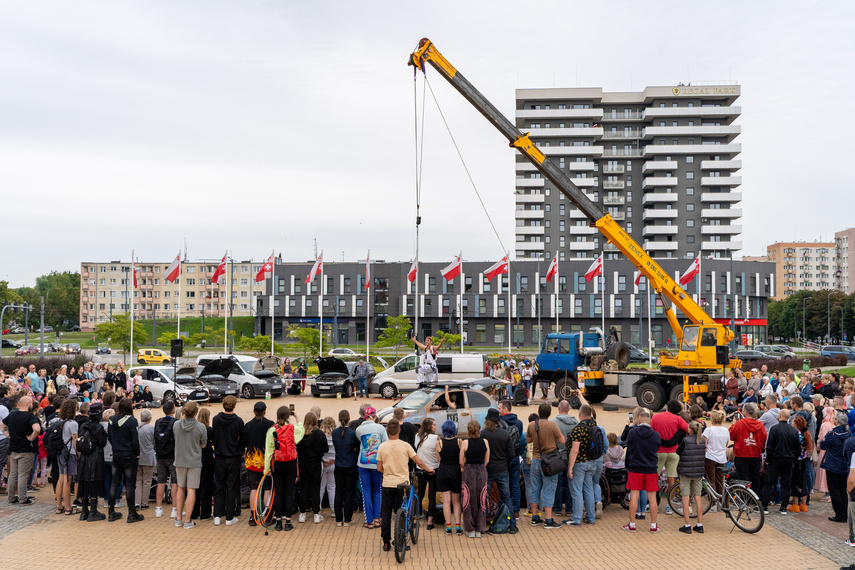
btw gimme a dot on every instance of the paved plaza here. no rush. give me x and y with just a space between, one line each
794 541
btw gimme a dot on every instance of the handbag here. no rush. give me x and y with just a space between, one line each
551 462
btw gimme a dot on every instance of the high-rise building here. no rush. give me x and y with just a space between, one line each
662 162
802 266
844 243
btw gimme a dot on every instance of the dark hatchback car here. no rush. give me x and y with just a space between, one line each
337 376
11 343
214 377
638 355
754 356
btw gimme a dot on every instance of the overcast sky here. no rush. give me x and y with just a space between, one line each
253 126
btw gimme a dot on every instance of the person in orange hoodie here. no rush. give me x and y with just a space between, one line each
749 441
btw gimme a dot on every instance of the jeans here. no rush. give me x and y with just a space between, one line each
563 499
363 387
124 468
582 489
227 486
501 480
810 478
525 468
642 503
598 491
514 483
20 465
542 487
371 480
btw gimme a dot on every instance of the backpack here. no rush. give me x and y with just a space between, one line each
514 433
596 445
501 523
53 437
284 448
85 442
164 438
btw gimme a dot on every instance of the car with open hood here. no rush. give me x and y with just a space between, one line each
210 376
337 376
254 382
165 385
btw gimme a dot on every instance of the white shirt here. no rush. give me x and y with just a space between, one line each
427 451
717 438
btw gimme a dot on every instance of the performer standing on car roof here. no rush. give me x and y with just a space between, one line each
427 371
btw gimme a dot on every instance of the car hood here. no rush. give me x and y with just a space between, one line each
220 367
330 365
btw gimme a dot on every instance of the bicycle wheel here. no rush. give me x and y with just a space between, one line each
399 540
415 515
744 508
675 500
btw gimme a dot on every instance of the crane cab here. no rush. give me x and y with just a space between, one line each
703 348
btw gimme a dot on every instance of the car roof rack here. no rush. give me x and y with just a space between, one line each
464 383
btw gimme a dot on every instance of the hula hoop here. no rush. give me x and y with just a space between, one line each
261 513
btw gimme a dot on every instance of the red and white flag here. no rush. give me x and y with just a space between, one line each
368 270
691 272
316 268
219 271
134 265
414 271
266 268
501 266
637 278
174 269
595 269
453 270
553 269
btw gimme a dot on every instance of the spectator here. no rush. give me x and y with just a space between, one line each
834 463
691 468
801 477
501 452
310 452
358 421
362 373
190 437
23 430
448 477
545 437
346 447
770 416
782 449
164 450
511 424
826 426
280 458
147 460
582 466
716 437
407 430
749 441
123 436
566 422
731 385
474 456
850 486
205 493
615 453
370 435
90 465
228 449
671 428
426 450
255 437
328 464
67 460
642 453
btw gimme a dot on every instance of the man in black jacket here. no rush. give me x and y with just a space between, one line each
782 449
502 452
123 436
229 446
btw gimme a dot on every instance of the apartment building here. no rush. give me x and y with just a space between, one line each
844 243
802 266
106 287
663 162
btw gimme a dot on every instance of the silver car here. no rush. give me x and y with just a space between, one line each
468 403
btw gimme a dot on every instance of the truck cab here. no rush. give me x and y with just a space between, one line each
561 354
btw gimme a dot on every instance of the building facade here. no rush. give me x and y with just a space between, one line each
105 288
518 307
802 266
662 162
844 243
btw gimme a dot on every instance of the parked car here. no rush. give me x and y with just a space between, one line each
239 368
103 348
8 343
152 356
17 330
470 404
753 356
72 348
163 386
835 350
26 350
402 377
47 329
638 355
337 376
54 347
770 349
342 352
73 328
784 347
218 386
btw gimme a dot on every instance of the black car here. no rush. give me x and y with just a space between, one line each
214 377
72 328
103 348
11 343
336 375
638 355
753 356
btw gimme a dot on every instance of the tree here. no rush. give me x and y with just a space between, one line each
220 333
166 337
119 332
61 291
395 333
307 338
259 344
450 339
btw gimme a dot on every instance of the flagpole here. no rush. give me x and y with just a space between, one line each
555 292
460 310
272 293
603 291
321 307
228 300
510 335
649 324
133 289
178 335
368 308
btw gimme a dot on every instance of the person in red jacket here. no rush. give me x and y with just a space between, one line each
749 441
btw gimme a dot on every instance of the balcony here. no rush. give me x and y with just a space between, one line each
704 112
576 214
620 153
552 132
721 213
583 230
591 150
581 246
614 169
614 185
721 230
661 245
721 245
622 135
528 215
654 165
610 247
618 216
529 198
721 197
580 166
670 149
721 180
657 198
530 246
721 164
614 201
659 182
632 116
529 182
660 214
660 230
584 182
730 131
530 230
559 114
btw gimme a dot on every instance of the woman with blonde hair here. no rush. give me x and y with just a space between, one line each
328 460
827 425
310 453
205 494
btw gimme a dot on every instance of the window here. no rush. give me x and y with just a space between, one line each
621 283
690 239
690 191
523 283
690 207
690 223
690 159
581 284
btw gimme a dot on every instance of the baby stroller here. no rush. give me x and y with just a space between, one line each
613 486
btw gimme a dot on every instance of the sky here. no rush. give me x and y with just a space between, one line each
255 126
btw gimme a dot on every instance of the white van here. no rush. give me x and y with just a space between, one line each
402 377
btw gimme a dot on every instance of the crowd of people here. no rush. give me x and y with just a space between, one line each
796 439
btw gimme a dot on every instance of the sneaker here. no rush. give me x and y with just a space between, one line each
783 512
27 501
31 489
346 524
536 520
178 523
339 523
640 516
713 509
459 531
158 512
172 516
668 510
119 505
629 527
217 521
302 518
288 526
656 528
231 521
190 524
765 511
598 511
699 528
477 534
551 524
513 530
448 530
849 542
252 521
803 508
470 534
319 518
387 546
517 516
794 509
685 529
571 522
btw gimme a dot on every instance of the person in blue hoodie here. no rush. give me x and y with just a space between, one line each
508 421
642 455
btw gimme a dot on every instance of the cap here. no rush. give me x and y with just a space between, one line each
260 407
493 415
368 412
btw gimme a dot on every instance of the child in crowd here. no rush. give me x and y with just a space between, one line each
615 454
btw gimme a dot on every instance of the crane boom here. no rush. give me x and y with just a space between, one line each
668 290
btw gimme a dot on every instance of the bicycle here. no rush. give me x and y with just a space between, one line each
737 501
407 518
